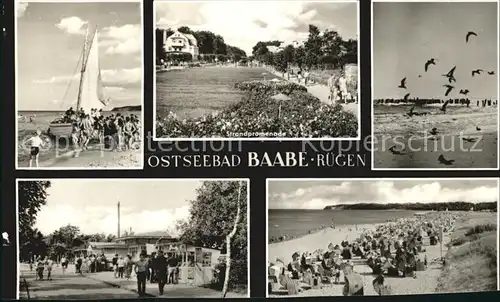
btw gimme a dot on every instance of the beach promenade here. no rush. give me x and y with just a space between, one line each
103 285
322 92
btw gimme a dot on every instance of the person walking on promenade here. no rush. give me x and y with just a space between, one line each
141 268
40 266
121 267
172 267
78 266
48 267
114 261
332 88
64 264
160 265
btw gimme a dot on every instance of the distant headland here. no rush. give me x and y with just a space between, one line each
442 206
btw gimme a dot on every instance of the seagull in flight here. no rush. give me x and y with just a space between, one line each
464 91
443 108
403 84
477 71
449 88
469 139
406 97
396 152
469 34
434 131
445 161
491 72
431 61
450 76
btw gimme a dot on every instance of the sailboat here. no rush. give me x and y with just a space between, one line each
90 89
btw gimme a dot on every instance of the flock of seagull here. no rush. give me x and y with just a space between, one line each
451 79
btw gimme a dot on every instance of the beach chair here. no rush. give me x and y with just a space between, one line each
353 285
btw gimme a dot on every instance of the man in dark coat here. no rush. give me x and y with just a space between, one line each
160 265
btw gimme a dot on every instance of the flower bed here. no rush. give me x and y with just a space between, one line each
304 116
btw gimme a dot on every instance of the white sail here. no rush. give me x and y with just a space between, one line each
91 86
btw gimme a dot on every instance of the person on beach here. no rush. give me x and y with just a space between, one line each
86 131
294 266
36 143
141 268
160 265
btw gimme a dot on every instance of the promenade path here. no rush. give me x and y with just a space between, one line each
320 91
103 285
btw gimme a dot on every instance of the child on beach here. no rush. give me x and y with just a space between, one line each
35 143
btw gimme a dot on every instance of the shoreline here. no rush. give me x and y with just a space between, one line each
325 228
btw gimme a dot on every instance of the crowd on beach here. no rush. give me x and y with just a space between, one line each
395 248
286 237
116 132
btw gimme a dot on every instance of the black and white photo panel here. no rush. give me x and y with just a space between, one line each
435 85
95 239
79 92
403 236
292 75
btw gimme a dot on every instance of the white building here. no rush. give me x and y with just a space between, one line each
179 42
275 49
297 44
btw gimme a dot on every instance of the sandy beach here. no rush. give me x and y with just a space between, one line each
458 138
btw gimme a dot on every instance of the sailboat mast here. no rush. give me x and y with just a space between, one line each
82 72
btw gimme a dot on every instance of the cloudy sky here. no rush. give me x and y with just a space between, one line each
243 24
318 194
50 39
146 206
406 35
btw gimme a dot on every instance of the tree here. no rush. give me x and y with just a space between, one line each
185 30
228 242
32 195
211 219
68 235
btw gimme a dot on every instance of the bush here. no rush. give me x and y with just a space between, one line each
481 228
238 278
303 116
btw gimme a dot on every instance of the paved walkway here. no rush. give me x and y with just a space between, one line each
68 286
321 92
170 290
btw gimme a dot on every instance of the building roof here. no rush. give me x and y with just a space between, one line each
192 39
152 235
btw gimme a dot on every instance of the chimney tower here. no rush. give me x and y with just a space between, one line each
118 234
